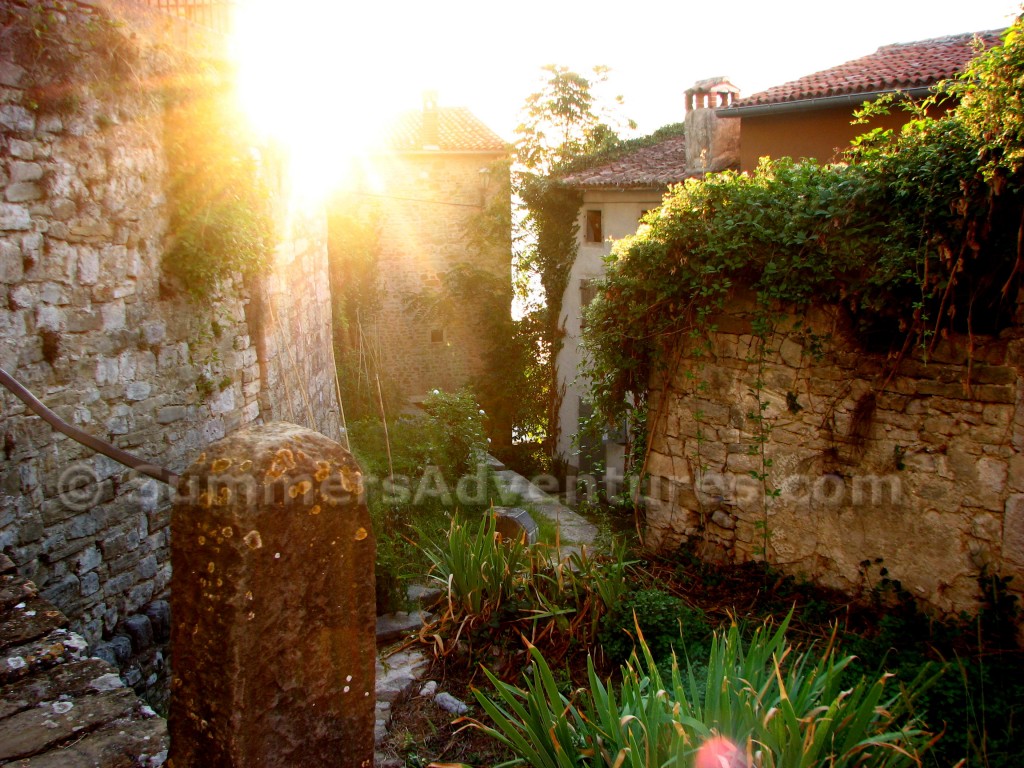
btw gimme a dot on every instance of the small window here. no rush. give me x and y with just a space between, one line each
594 233
437 336
588 292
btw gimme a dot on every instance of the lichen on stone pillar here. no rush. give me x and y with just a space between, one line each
273 606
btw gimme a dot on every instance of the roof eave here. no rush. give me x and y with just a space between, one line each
638 187
824 102
439 151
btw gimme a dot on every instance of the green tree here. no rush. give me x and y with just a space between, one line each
564 120
561 122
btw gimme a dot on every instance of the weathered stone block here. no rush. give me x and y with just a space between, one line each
22 191
14 217
1013 529
37 729
159 613
90 584
267 525
89 560
140 630
16 118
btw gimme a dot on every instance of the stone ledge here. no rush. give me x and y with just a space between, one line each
58 710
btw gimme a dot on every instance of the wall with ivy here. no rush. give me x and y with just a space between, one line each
97 324
866 480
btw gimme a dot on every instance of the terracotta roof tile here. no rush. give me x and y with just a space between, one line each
892 67
458 130
654 166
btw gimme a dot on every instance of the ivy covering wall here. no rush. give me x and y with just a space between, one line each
916 234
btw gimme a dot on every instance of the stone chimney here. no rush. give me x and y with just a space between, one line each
712 142
431 134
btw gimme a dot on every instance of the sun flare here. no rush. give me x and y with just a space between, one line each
310 83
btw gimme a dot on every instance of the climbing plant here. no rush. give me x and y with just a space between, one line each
915 235
70 52
562 122
221 221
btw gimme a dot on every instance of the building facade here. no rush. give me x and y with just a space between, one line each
431 191
615 196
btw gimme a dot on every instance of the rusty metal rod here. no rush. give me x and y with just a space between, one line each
89 441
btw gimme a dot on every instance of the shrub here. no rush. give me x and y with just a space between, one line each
477 568
406 504
666 622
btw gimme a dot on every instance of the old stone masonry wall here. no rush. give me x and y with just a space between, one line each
872 476
92 325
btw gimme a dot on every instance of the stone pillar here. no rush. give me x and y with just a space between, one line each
272 602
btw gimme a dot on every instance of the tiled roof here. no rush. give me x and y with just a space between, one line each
892 67
458 130
653 166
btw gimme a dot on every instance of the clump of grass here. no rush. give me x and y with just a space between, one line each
784 710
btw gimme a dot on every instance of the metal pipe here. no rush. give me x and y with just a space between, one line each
89 441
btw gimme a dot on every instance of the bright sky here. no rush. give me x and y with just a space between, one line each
337 68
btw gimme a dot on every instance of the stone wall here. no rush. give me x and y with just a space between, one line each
430 201
90 323
913 477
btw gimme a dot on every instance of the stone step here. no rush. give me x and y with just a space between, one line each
28 620
74 679
50 724
123 743
58 647
392 627
13 590
59 709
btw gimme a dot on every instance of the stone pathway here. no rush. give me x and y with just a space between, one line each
399 673
58 708
575 529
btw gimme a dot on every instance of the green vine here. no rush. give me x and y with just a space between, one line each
915 236
764 329
221 218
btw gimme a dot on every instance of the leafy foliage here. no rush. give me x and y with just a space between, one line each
221 220
562 122
476 568
70 52
412 470
912 238
666 623
499 589
353 249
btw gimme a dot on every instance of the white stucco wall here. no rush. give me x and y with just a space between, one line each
620 215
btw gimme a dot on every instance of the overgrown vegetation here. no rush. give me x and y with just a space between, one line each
353 247
561 123
69 53
219 185
773 705
696 653
497 591
915 236
420 470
